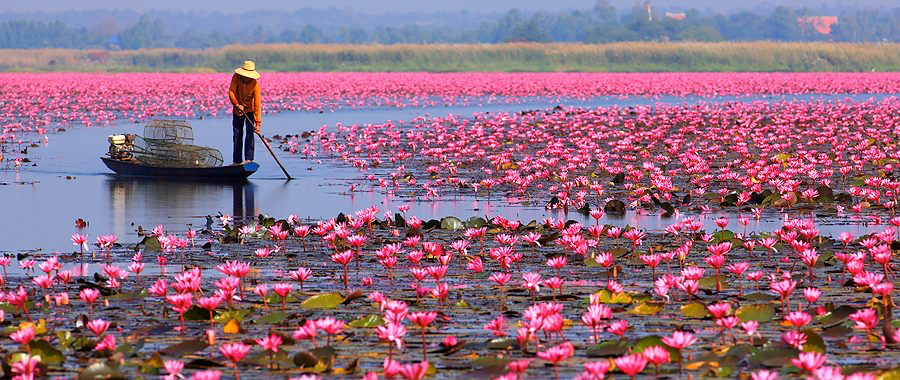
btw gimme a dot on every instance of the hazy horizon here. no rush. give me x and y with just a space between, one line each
403 6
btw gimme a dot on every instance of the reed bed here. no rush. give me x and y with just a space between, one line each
531 57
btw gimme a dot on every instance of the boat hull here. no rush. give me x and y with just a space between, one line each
235 172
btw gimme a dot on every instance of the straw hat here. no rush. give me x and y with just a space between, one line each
248 70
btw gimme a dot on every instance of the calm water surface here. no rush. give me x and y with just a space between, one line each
69 182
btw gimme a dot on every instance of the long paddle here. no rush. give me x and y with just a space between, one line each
269 147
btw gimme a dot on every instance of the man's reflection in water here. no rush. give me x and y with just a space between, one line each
243 203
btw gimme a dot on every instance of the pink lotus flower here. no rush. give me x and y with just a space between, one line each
657 355
557 354
235 352
415 371
809 361
98 326
270 343
26 367
631 365
107 343
174 368
207 375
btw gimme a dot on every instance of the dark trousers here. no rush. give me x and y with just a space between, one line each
242 142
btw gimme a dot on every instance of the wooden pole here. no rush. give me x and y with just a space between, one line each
269 147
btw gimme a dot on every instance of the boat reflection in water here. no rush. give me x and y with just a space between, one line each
148 202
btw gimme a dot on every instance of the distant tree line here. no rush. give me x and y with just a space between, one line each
602 23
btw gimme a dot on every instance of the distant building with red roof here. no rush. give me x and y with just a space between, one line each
821 24
676 16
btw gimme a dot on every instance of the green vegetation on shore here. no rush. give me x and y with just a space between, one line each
532 57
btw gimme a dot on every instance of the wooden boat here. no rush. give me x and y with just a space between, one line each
233 172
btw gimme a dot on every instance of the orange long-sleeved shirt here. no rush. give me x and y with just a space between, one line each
245 91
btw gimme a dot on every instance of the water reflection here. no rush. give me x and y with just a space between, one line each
243 203
67 184
139 199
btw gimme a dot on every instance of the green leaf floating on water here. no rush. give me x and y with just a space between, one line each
475 222
814 342
151 244
710 282
323 301
274 317
721 236
759 297
196 313
452 223
608 348
838 315
759 313
605 296
226 315
653 340
100 370
826 195
503 344
490 362
48 353
619 252
130 296
281 358
367 322
893 374
773 357
695 310
645 308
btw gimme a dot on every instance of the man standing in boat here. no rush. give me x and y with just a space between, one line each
244 94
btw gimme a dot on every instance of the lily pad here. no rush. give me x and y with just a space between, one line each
721 236
503 344
618 252
591 262
490 362
151 365
151 244
759 297
614 206
184 348
605 296
319 358
196 313
645 308
367 322
836 316
452 223
274 317
48 353
608 348
837 331
281 358
226 316
100 370
653 340
475 222
826 195
759 313
710 282
814 342
773 357
323 301
893 374
695 310
130 296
